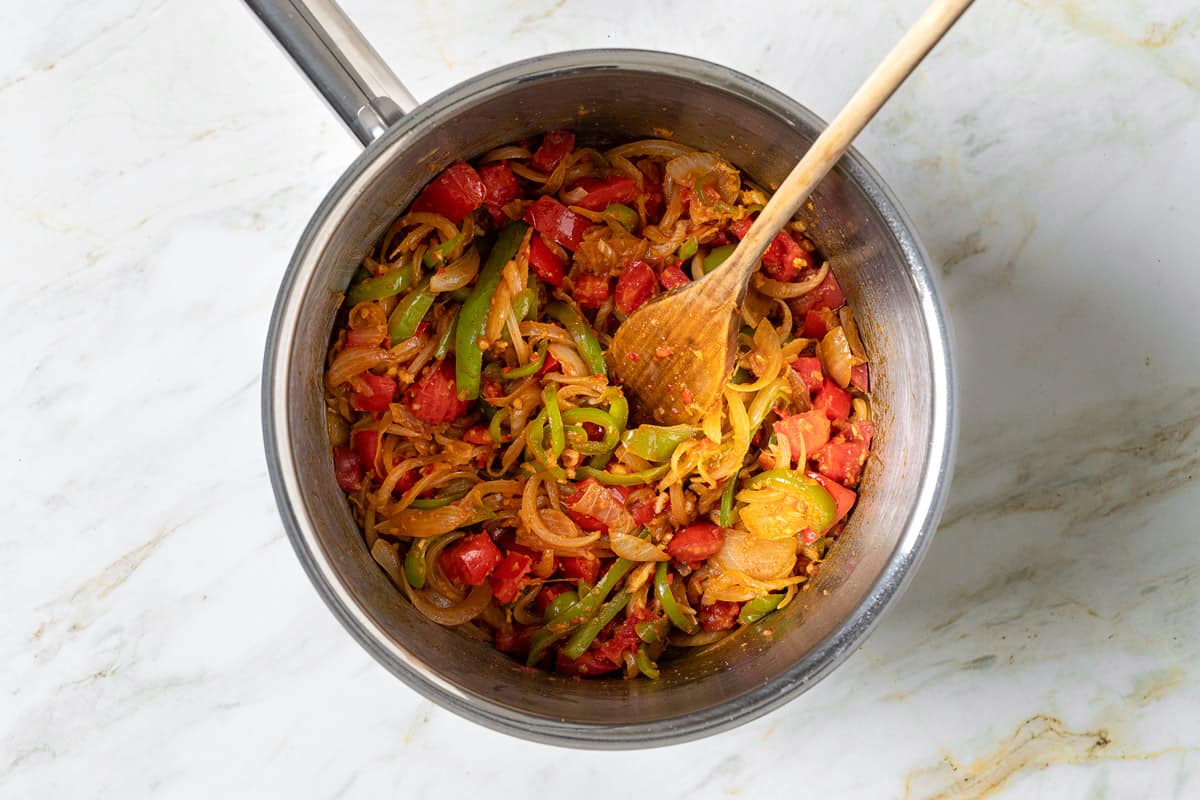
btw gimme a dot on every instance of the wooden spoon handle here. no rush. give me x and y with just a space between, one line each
834 140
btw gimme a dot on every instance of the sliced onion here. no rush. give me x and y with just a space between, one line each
451 614
846 316
505 153
598 502
780 289
635 549
835 355
387 555
655 148
354 361
542 522
683 171
701 639
761 559
423 523
457 274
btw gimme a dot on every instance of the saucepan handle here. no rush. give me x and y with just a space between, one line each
339 62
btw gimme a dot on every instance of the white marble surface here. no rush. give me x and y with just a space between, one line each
157 637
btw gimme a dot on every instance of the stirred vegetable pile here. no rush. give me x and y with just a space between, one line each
489 459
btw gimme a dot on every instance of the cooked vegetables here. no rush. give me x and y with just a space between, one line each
491 463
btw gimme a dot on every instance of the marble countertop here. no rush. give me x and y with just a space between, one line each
158 637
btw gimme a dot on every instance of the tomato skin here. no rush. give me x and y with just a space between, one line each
378 395
590 290
510 576
833 400
696 542
454 193
672 277
635 286
580 568
347 469
470 560
827 295
434 398
818 322
590 663
809 431
366 447
544 263
603 192
624 639
809 369
557 222
500 186
515 640
784 259
860 377
843 497
720 616
555 145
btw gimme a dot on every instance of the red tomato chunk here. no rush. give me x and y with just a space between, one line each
805 432
470 560
672 276
559 223
434 398
827 295
454 194
635 286
500 185
601 193
590 290
555 145
347 469
579 568
509 577
833 400
720 616
696 542
377 394
809 369
544 262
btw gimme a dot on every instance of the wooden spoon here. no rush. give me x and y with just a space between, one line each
675 354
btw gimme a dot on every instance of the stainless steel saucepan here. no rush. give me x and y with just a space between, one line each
604 96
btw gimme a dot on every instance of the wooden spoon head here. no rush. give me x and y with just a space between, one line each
675 354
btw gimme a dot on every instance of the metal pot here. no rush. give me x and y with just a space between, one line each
605 96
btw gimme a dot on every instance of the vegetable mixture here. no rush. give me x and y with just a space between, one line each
491 462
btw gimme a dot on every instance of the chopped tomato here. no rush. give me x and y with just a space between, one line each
827 295
454 193
500 186
601 193
720 616
555 145
809 431
590 663
860 377
635 286
818 322
366 447
347 469
590 290
642 511
652 190
624 638
580 568
376 396
550 364
843 497
434 398
809 369
477 434
470 560
861 431
673 276
510 577
544 262
696 542
516 639
784 259
833 400
559 223
843 461
548 595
